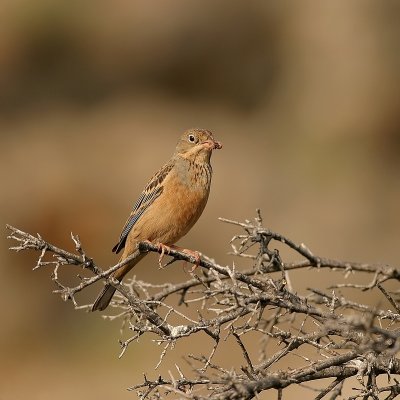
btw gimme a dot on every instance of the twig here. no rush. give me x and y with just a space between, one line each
347 338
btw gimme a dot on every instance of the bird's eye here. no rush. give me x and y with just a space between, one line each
191 138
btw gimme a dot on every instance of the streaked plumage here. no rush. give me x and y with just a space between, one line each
170 204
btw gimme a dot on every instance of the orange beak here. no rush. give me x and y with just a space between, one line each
213 144
217 145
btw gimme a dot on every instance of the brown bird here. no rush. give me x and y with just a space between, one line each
170 204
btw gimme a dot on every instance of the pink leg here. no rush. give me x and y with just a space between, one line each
164 249
192 253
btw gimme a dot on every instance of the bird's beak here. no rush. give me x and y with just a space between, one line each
213 144
217 145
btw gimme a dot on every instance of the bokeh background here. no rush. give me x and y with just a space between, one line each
305 97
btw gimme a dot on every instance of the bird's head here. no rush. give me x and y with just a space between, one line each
197 144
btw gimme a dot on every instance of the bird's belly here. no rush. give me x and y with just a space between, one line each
173 214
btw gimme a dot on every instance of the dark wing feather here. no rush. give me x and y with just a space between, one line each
153 189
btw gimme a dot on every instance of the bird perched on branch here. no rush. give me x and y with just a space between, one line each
170 204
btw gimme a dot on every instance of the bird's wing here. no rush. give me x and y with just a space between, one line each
153 189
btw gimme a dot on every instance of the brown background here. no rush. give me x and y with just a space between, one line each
305 97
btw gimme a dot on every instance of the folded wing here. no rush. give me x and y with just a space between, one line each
153 190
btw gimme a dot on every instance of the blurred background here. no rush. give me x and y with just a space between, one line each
305 97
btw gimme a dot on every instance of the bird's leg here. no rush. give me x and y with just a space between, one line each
163 249
192 253
166 249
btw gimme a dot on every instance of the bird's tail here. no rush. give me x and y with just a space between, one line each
105 296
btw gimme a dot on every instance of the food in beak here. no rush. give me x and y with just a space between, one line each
217 145
213 144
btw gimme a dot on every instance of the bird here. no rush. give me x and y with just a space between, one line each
169 206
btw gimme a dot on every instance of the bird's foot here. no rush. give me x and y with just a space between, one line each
192 253
163 249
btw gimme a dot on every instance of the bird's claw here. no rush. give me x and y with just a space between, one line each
163 249
196 255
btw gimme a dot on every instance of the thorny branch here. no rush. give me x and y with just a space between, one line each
329 335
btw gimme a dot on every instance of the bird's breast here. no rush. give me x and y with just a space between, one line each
172 215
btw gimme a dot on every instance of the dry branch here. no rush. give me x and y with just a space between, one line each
344 339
